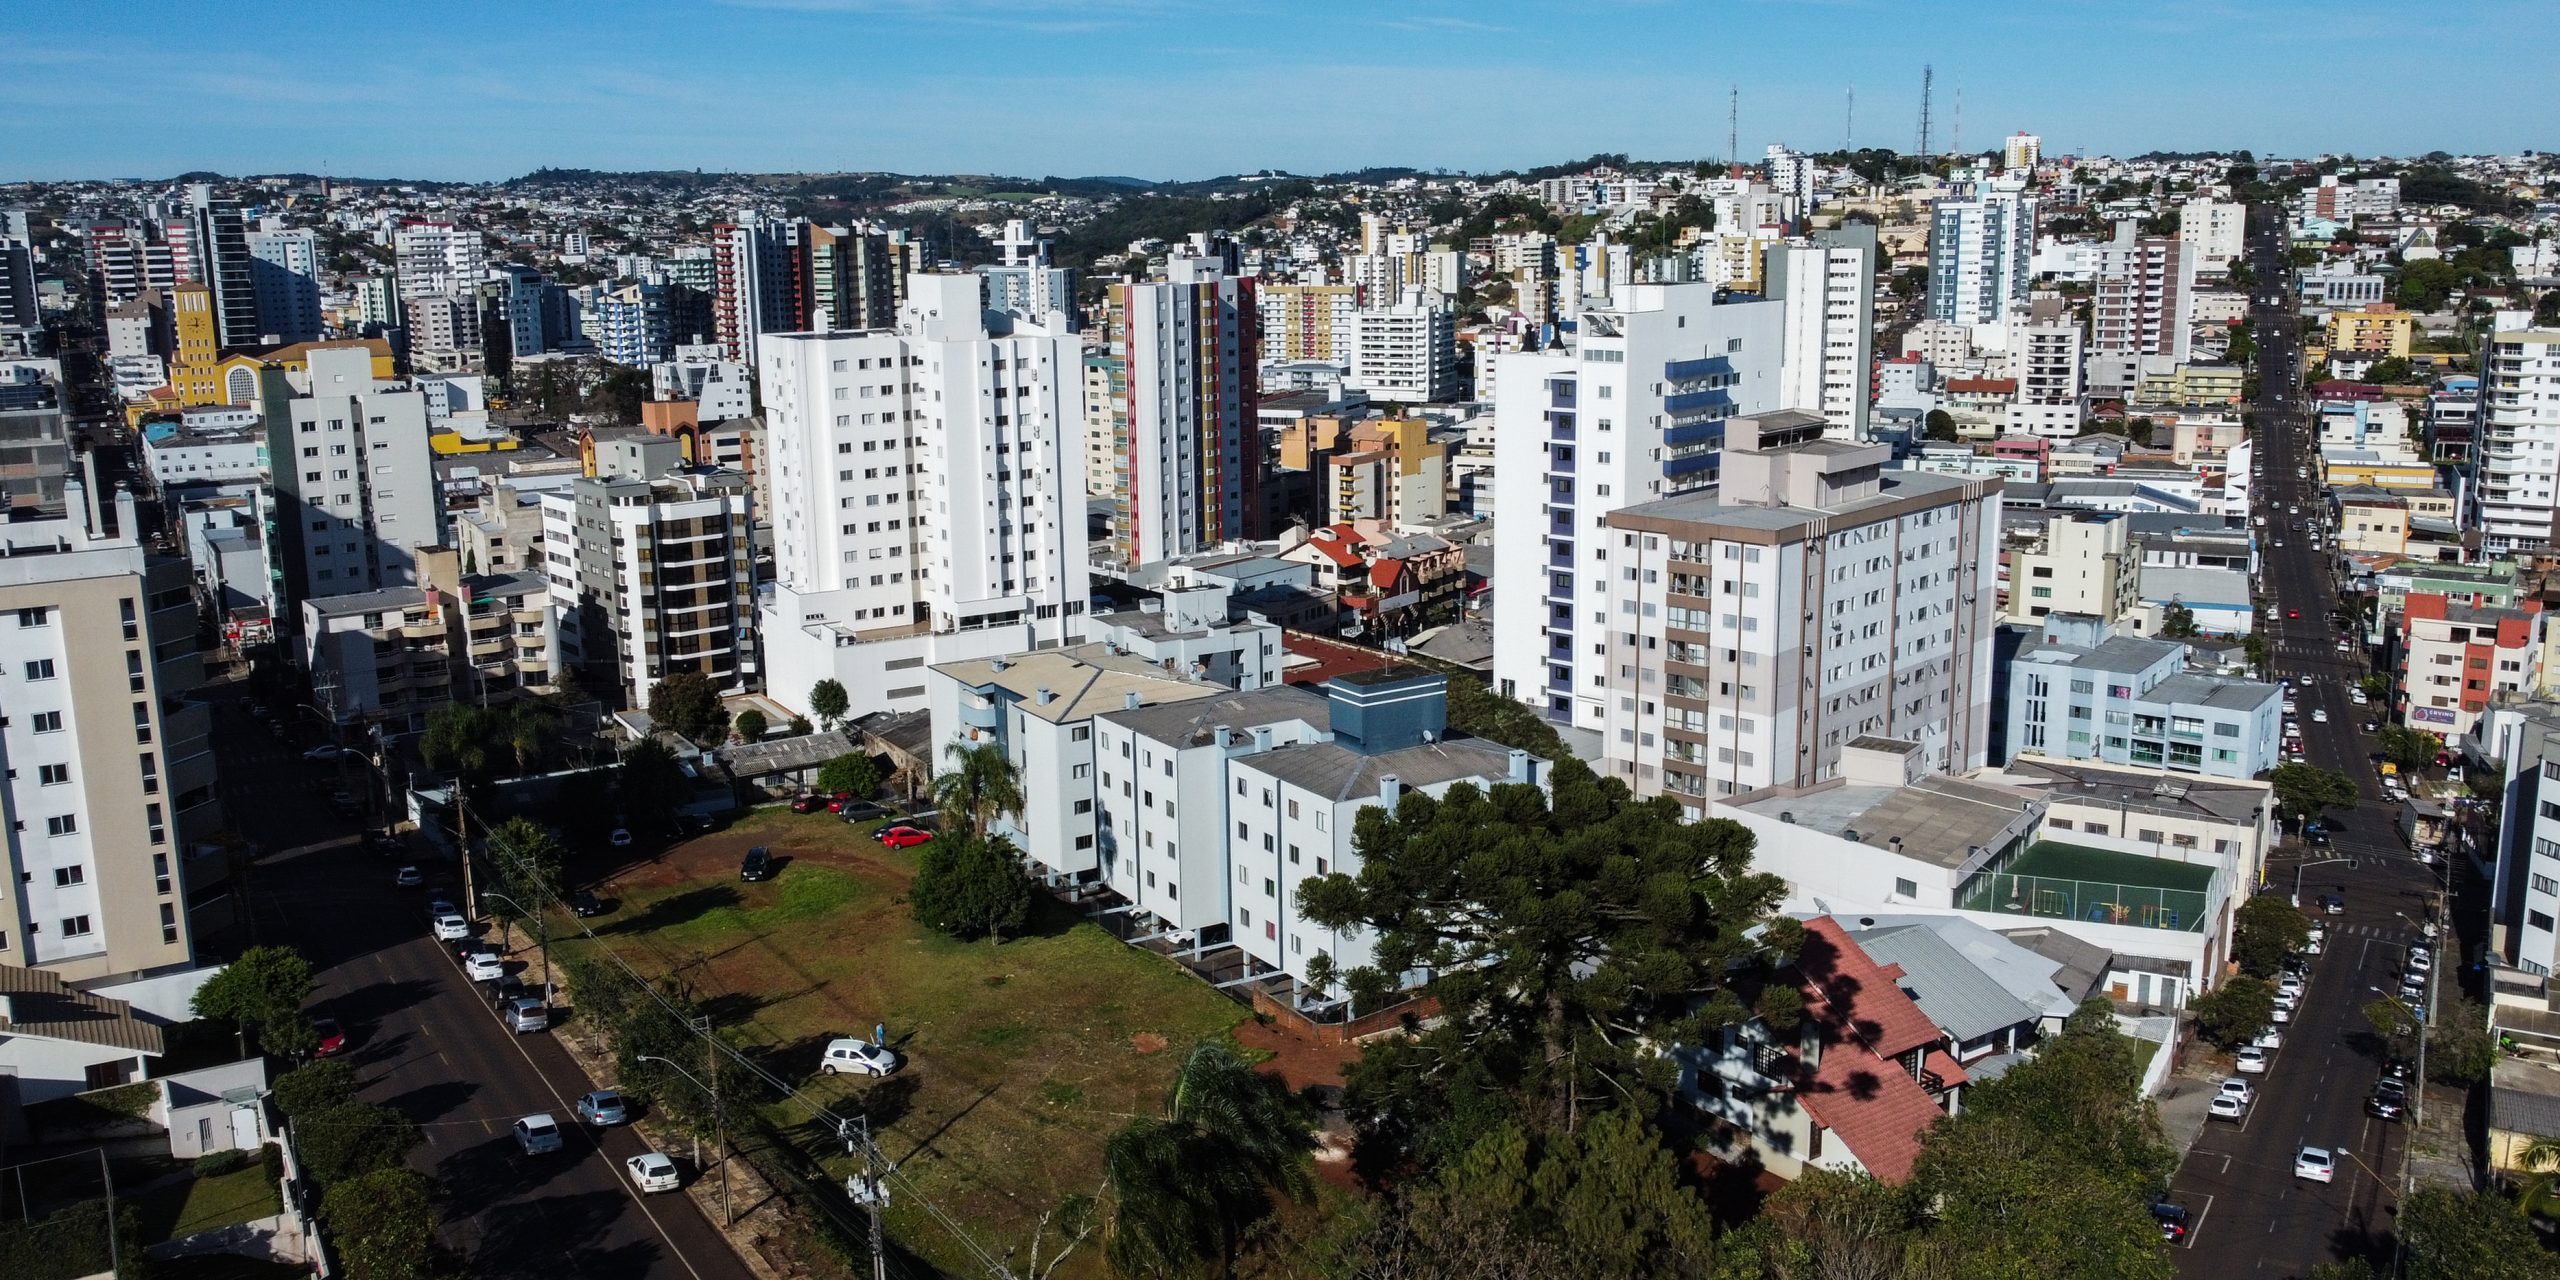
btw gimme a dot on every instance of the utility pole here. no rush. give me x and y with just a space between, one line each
719 1113
1928 79
115 1264
867 1189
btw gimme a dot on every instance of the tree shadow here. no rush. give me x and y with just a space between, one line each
429 1102
730 1008
558 1236
675 909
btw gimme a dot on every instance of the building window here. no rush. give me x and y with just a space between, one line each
65 877
53 775
62 824
75 927
36 617
40 669
1906 888
48 722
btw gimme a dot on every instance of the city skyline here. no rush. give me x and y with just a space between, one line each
1076 87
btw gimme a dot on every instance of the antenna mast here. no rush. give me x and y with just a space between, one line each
1928 78
1955 130
1849 124
1733 127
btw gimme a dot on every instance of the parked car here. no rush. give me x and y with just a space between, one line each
2227 1106
2388 1101
451 927
539 1135
385 843
333 1038
862 811
584 904
2315 1164
810 802
526 1014
2420 961
841 801
904 837
2172 1219
620 839
653 1172
408 878
2332 905
484 966
506 991
602 1108
2234 1086
2251 1060
2269 1040
757 865
326 752
860 1057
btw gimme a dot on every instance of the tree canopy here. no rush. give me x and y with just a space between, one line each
979 788
264 989
1187 1186
687 704
2304 790
2234 1013
2268 929
970 886
382 1225
854 771
827 701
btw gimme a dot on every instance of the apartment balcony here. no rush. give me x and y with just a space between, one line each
420 631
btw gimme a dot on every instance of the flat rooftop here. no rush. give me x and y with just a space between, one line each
1947 821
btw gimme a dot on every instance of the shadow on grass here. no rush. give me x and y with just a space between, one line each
731 1008
692 904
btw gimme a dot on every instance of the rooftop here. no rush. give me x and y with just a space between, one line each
36 1003
1339 773
1082 682
1899 490
2183 796
1189 723
367 601
1948 986
1951 822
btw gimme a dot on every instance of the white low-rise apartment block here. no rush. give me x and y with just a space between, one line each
1815 599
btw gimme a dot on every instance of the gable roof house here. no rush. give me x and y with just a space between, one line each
1852 1086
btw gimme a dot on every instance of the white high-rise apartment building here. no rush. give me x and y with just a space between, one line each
2020 151
1828 281
2052 381
1981 250
2515 467
443 264
927 497
1635 411
2141 311
1816 599
1407 352
2214 232
354 480
284 271
1791 174
110 770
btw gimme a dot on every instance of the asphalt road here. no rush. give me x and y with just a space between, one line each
424 1040
2252 1217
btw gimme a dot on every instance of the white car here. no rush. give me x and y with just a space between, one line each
2227 1106
484 966
653 1172
621 838
452 928
539 1135
2320 715
2269 1040
2283 1013
2316 1164
2357 697
2251 1060
2235 1087
860 1057
2420 960
2290 988
325 752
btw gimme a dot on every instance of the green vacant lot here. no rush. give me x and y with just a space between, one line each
182 1209
1020 1058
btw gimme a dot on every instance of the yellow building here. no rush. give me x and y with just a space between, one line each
2381 475
236 374
2379 327
193 371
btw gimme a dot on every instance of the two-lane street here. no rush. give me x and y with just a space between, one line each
2256 1218
425 1040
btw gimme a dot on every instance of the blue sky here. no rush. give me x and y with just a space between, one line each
461 89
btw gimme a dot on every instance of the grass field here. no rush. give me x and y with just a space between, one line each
1021 1058
182 1209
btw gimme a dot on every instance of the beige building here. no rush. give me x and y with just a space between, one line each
2085 562
2373 520
1390 470
2378 327
110 770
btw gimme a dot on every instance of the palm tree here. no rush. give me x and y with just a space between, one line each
2539 1161
529 729
981 786
1185 1187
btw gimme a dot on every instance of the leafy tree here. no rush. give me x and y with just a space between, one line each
382 1225
2048 1170
531 727
314 1087
799 726
687 704
2396 1024
1834 1224
651 783
2244 345
2462 1235
2269 929
1568 938
980 787
827 701
751 725
460 737
2386 371
2254 647
970 887
2460 1049
2235 1012
2546 313
1187 1185
2178 622
2377 686
2427 284
1939 425
1477 711
264 989
854 771
347 1141
2304 790
528 861
2539 1162
2411 749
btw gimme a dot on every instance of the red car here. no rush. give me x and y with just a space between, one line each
840 801
2293 613
333 1038
904 837
810 803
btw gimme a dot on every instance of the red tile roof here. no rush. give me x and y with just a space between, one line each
2002 386
1342 546
1859 1089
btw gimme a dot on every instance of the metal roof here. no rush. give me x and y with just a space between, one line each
42 1005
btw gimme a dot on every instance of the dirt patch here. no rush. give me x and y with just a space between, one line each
1147 1042
1298 1059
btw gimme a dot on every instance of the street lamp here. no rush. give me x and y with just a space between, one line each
541 934
719 1129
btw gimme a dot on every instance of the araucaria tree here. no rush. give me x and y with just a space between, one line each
1569 940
